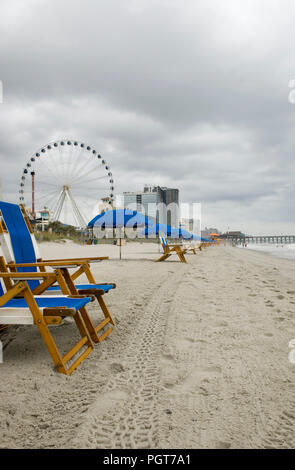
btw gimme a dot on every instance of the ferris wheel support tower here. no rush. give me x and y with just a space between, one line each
66 193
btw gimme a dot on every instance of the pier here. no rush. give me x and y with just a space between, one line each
274 239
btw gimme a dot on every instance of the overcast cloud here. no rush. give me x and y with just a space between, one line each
189 94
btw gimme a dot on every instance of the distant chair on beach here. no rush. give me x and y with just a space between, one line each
18 306
170 250
205 243
21 254
189 247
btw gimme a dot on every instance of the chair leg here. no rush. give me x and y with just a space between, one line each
163 257
108 319
105 309
68 287
60 361
51 346
84 341
180 253
181 257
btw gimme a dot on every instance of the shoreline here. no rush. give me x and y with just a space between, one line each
279 253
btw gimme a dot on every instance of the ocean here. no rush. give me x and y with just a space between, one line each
286 251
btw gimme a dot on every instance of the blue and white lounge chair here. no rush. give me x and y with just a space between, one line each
18 306
21 254
170 250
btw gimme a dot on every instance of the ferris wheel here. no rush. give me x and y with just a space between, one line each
68 178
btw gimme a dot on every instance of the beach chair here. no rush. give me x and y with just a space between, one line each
170 250
18 306
21 253
189 247
205 244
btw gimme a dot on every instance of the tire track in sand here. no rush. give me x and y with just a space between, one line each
126 414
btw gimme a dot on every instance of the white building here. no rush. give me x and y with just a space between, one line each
160 204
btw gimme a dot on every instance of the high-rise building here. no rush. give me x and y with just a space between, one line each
160 204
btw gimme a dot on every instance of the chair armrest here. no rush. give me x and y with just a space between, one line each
30 276
55 264
89 260
13 292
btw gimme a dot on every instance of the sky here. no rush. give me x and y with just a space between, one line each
189 94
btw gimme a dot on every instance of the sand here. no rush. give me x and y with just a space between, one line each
198 359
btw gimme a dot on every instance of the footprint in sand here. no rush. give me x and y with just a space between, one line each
190 340
213 370
221 323
281 297
169 385
221 445
168 357
203 391
117 368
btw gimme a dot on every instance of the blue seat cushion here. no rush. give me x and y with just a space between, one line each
105 287
49 302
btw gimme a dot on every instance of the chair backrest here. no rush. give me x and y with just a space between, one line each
18 243
163 241
1 288
6 246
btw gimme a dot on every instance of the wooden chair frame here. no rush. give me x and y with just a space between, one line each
64 280
169 250
50 316
189 248
61 267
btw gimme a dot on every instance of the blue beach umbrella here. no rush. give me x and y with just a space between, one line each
186 235
120 218
202 239
153 230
